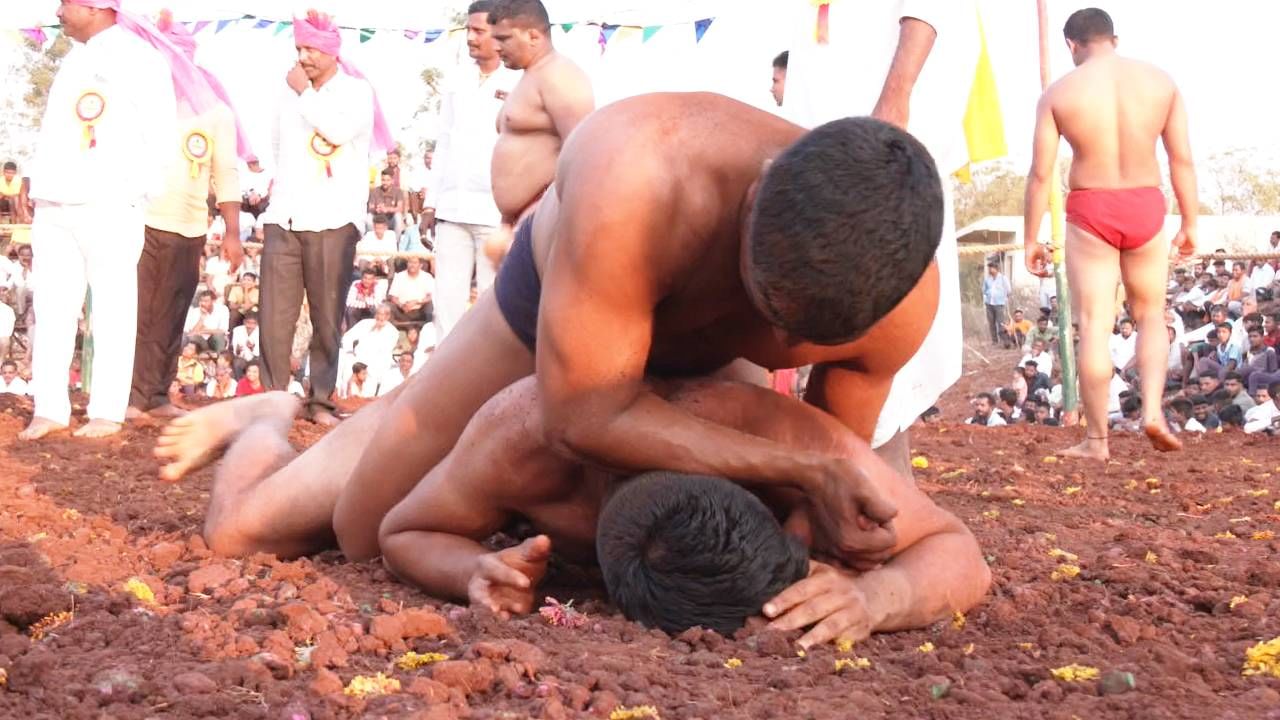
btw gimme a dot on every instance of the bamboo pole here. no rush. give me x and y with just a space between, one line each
1066 348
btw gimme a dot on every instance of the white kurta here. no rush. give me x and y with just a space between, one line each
371 345
91 189
844 78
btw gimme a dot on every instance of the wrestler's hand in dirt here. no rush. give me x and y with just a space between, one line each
1185 241
851 512
1038 259
829 600
505 581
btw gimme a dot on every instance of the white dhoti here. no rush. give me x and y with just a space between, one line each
459 252
93 246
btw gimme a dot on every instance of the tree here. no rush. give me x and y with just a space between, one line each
1243 186
41 67
997 189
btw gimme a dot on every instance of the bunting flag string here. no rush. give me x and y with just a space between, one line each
606 31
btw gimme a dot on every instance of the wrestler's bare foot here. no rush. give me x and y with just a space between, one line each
98 429
325 418
1090 449
194 440
40 427
167 411
1160 437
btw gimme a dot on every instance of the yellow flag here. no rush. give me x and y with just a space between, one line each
983 123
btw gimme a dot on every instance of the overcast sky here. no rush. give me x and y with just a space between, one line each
1213 50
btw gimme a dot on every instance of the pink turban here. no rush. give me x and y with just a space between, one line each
189 83
317 31
186 42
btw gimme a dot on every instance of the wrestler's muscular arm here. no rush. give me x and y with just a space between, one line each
1182 173
606 274
1044 159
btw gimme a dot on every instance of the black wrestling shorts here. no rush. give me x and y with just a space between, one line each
518 287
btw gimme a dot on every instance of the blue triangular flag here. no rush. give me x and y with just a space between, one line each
262 24
700 27
431 36
221 24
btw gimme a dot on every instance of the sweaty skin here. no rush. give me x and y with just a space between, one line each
1112 110
652 287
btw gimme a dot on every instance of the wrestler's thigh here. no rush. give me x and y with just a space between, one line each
1145 271
1093 274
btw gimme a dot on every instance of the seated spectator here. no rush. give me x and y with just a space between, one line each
410 295
251 383
359 385
1261 274
1264 416
190 370
1271 328
1178 415
387 200
1232 416
1261 365
1130 419
222 386
1204 416
1036 380
1043 332
377 240
364 297
1044 415
207 324
1017 329
984 412
252 260
1028 413
408 342
10 383
1008 406
1209 384
397 377
426 345
244 343
370 343
1180 364
242 298
1124 346
219 271
1233 384
8 322
1018 384
1039 353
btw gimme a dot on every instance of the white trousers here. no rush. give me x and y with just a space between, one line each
76 247
459 251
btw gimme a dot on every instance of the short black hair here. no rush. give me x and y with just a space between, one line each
1199 400
1133 403
9 363
368 271
388 172
1088 25
1232 376
250 316
679 551
1222 325
531 13
249 274
1031 363
206 294
845 222
986 396
1182 406
358 368
380 219
1274 389
781 61
1124 320
11 165
1232 415
1008 396
480 6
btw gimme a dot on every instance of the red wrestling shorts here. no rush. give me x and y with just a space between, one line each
1125 219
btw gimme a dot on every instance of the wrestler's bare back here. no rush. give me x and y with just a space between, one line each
529 138
672 172
1113 110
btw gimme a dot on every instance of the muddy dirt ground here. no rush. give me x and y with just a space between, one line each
112 607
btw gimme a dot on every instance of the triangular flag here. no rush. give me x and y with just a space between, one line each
261 24
650 32
700 28
221 25
567 26
366 34
411 34
606 32
626 32
431 36
983 122
280 27
200 25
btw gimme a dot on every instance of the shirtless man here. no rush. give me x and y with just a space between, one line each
552 97
1112 110
712 258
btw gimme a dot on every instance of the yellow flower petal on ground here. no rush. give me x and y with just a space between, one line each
1026 646
1075 673
844 645
1153 482
1276 506
70 514
1225 536
1152 558
1061 554
634 713
958 620
1064 572
412 660
366 686
1238 600
140 590
1131 485
1263 659
733 663
1264 535
920 462
1050 459
953 473
927 647
1260 493
968 649
1072 490
1018 502
991 514
852 664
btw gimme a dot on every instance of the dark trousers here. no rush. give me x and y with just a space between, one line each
417 318
319 263
995 321
168 271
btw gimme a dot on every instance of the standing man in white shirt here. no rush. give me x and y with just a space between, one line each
910 63
205 158
460 206
328 123
106 143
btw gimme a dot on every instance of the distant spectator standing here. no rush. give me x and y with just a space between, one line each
328 122
995 295
779 87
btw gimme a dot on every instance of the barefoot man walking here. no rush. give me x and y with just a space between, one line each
1112 110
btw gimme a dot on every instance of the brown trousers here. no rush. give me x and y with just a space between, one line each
168 272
